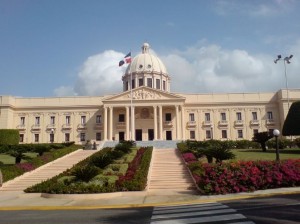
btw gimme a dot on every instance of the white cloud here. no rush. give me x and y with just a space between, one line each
263 9
99 75
198 69
213 69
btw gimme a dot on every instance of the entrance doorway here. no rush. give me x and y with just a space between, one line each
169 135
138 135
121 136
150 134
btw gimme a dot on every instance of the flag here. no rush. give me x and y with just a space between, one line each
127 60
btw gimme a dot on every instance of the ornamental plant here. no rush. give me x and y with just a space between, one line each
246 176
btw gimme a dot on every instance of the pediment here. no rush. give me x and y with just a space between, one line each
144 93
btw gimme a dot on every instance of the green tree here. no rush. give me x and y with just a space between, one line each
291 124
262 138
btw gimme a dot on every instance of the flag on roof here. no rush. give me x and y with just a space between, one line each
127 59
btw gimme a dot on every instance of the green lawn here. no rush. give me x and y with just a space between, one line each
7 159
258 154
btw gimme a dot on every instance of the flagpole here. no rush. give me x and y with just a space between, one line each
131 107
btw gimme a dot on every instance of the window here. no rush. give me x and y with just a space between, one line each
192 134
149 82
83 119
82 137
141 82
67 137
36 137
52 120
255 131
98 119
37 120
157 83
192 116
22 121
164 85
240 133
270 115
51 137
208 134
133 83
126 86
121 117
254 116
239 116
224 133
168 117
98 136
223 116
21 138
68 119
207 116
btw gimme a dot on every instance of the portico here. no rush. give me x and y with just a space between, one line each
156 116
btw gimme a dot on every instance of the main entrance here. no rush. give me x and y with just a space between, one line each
138 135
169 135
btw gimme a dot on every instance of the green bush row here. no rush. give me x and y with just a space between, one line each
9 137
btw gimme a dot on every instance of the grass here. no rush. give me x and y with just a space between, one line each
7 159
270 154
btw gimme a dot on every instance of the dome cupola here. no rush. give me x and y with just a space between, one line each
148 70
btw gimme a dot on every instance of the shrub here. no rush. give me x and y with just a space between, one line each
189 157
246 176
262 138
135 178
124 147
41 148
9 137
297 142
85 173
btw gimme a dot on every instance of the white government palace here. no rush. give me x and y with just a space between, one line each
147 111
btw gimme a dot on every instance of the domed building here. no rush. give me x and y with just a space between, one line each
145 110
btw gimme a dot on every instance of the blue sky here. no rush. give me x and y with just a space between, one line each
72 47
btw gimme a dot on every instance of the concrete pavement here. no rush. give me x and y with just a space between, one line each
36 201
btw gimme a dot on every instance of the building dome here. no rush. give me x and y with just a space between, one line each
146 62
148 70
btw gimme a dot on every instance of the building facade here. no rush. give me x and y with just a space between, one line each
146 110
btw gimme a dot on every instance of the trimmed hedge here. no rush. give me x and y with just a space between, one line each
9 137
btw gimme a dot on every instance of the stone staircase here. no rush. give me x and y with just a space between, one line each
168 173
47 171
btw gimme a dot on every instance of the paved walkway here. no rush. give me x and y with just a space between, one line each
20 201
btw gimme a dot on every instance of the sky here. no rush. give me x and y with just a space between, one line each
72 47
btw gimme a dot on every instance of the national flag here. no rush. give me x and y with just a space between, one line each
127 59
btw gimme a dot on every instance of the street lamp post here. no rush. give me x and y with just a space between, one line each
52 135
276 133
286 60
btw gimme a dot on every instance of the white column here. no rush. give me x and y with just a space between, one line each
182 123
132 123
105 124
111 123
177 123
127 123
160 123
155 122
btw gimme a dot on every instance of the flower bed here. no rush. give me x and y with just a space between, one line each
101 180
245 176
